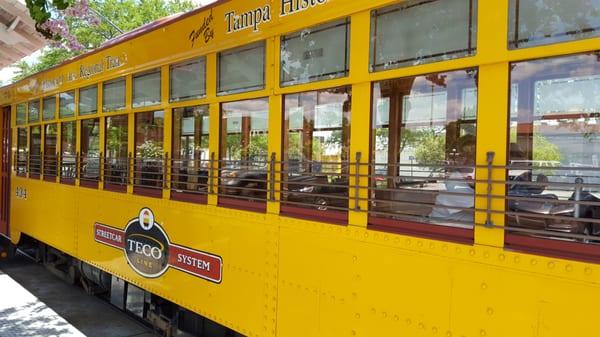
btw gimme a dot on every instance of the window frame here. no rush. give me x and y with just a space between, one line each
347 22
254 45
202 59
113 81
86 88
160 93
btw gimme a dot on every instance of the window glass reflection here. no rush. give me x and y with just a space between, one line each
424 132
242 69
50 139
113 95
66 104
21 114
33 115
116 148
49 108
190 149
555 144
188 80
88 100
68 150
149 130
35 149
539 22
422 31
244 148
90 150
21 151
146 89
316 53
316 147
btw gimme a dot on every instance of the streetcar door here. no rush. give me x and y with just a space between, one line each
5 172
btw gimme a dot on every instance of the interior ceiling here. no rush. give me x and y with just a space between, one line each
18 37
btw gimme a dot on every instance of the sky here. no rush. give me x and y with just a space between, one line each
6 74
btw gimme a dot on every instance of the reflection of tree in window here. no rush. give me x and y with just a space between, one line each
90 149
541 22
424 145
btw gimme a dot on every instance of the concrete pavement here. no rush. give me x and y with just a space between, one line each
35 303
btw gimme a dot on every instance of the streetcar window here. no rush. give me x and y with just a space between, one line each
316 53
242 69
188 80
113 95
35 149
50 138
554 150
190 149
66 104
90 150
422 31
116 147
49 108
33 115
68 151
149 128
146 88
534 23
423 143
21 114
21 151
88 100
316 148
244 147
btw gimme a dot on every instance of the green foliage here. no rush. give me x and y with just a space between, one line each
149 150
431 147
544 150
125 14
49 58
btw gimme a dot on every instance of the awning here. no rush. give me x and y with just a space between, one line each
18 37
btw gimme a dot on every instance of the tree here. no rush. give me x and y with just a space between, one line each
125 15
544 150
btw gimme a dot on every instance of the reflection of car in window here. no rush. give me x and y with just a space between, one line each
320 190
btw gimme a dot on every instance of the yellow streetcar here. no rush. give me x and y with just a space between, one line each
323 168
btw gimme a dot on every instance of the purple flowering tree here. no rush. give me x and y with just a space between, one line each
52 18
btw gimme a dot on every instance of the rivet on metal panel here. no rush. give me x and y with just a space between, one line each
448 333
486 255
482 332
445 248
408 321
551 265
396 318
484 286
472 252
517 259
420 244
490 311
357 316
533 262
588 271
434 330
501 257
422 326
569 268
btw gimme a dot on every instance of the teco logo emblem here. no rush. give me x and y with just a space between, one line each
150 253
146 245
